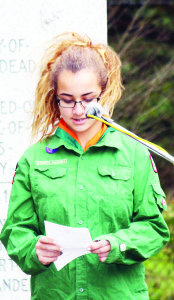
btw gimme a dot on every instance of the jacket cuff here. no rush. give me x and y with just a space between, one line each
115 255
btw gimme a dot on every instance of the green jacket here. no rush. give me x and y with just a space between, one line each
112 189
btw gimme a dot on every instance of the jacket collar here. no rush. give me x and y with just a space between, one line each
111 138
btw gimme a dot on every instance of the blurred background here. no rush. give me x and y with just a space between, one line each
142 33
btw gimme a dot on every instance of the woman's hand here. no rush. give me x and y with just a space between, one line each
47 250
102 248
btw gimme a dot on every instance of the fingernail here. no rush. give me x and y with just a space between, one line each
61 249
89 249
54 242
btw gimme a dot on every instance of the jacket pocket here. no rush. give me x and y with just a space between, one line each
113 195
51 172
159 196
115 172
49 181
115 180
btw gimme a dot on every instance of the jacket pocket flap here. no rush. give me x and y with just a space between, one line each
159 196
158 190
115 172
51 172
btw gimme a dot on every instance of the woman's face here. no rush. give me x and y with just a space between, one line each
82 85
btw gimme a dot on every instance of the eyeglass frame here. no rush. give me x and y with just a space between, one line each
75 102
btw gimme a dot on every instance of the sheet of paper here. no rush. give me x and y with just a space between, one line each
74 242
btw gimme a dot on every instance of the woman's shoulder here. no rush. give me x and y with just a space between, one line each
124 139
128 144
37 150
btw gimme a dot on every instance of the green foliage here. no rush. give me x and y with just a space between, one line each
143 37
159 269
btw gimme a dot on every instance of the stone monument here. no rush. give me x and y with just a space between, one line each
25 28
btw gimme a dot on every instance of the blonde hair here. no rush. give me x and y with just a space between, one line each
70 51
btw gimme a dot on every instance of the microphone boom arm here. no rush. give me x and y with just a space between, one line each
153 147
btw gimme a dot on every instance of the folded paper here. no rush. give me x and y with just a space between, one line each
74 241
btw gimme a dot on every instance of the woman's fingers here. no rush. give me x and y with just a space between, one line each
47 250
99 247
102 248
48 243
46 260
102 259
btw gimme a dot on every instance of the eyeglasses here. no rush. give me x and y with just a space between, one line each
72 103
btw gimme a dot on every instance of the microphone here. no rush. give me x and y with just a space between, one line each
94 109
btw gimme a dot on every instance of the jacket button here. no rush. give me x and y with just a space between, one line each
80 222
81 187
82 157
81 290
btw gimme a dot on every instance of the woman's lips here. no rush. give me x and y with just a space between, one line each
79 121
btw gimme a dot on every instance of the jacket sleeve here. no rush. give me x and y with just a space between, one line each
21 230
148 232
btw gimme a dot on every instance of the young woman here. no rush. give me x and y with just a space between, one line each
83 174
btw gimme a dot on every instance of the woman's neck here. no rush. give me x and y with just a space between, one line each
87 135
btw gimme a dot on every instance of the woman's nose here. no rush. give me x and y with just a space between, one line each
78 109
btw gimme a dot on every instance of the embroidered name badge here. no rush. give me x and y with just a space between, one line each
153 164
50 162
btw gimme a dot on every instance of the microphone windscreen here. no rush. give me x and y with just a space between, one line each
94 109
